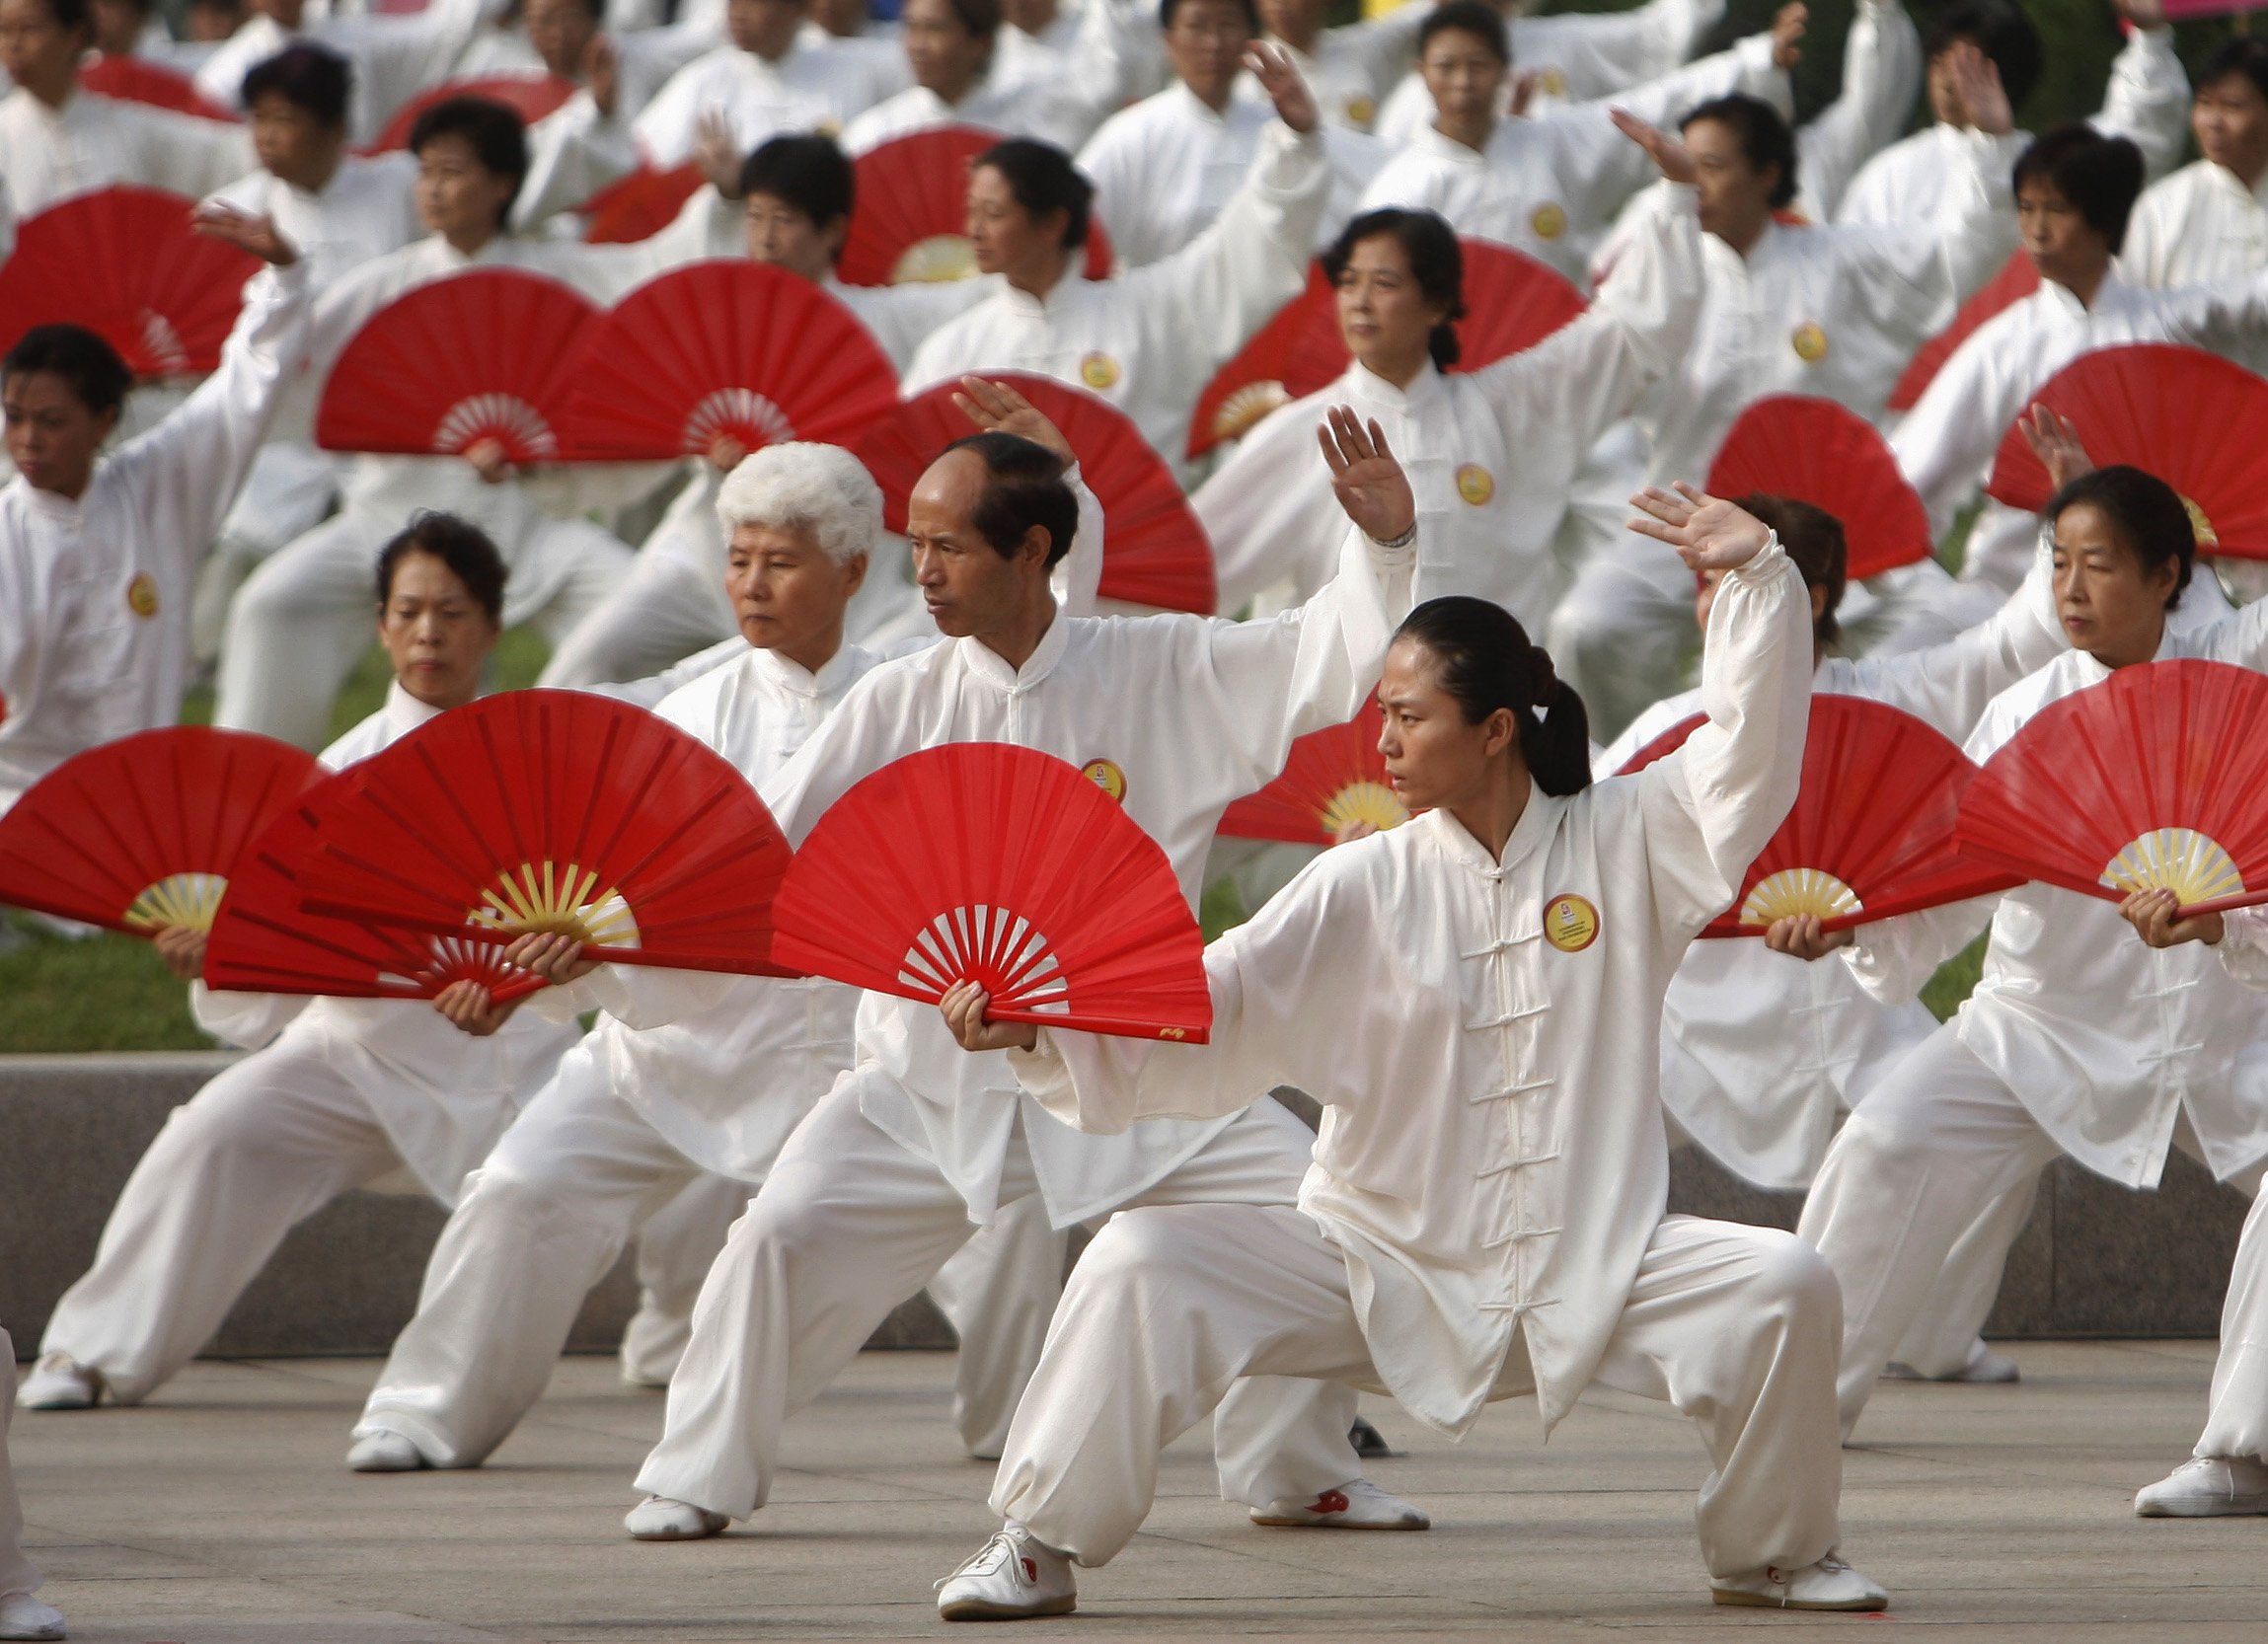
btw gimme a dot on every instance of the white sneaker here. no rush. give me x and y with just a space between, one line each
23 1616
1986 1368
1010 1578
1828 1584
384 1452
59 1381
659 1519
1356 1505
2206 1487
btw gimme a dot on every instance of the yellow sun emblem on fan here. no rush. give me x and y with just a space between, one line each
1476 483
1809 343
1363 802
935 260
1098 371
186 899
565 900
1793 891
2189 863
1241 410
142 595
1548 220
2200 527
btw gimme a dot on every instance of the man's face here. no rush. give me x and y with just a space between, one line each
2230 119
561 30
292 144
119 26
2060 243
35 49
943 54
765 27
968 586
52 437
1464 73
784 236
1734 195
1206 44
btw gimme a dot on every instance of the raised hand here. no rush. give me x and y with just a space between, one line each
1524 85
1787 26
2054 439
963 1010
1365 477
489 461
471 1010
1666 152
245 232
717 153
1804 936
1279 77
1977 81
550 954
2152 914
998 409
2144 15
1708 533
181 947
602 74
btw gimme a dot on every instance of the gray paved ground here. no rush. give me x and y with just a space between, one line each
220 1515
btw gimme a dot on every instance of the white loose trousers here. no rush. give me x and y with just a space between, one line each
2238 1420
1735 1326
17 1574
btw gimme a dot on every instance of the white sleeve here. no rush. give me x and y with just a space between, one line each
1894 958
1078 576
1952 432
1881 74
245 1020
574 152
2148 99
2151 235
188 154
2243 945
1598 55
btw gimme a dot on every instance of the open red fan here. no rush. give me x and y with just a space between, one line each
2190 417
729 350
911 220
486 355
138 79
264 941
2017 279
639 205
557 810
1154 550
1334 777
143 833
1251 384
980 862
529 95
1871 832
1815 451
2158 777
124 262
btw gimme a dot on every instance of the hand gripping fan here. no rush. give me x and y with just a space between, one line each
124 262
2017 280
2191 419
138 79
2158 777
561 811
1154 550
980 862
143 833
262 941
639 205
1334 777
484 355
1815 451
1871 831
910 221
529 95
1251 385
728 349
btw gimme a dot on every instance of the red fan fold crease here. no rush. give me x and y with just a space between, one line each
1815 451
1334 776
910 222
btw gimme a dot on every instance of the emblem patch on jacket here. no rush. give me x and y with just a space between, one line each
1809 343
1108 777
1476 483
142 594
1098 371
1361 109
1570 923
1550 221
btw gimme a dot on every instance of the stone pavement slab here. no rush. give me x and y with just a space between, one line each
221 1513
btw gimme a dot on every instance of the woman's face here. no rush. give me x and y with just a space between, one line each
1384 316
1464 73
2112 608
458 197
943 54
1433 759
1003 234
435 633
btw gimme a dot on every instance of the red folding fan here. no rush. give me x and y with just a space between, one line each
2192 419
1334 777
1815 451
1008 868
561 811
264 941
911 220
2158 777
729 350
138 79
1154 550
1871 832
639 205
124 262
486 355
2017 280
1251 384
143 833
529 95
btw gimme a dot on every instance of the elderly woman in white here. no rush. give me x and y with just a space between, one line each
1473 998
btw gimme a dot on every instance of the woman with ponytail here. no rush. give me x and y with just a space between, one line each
1474 998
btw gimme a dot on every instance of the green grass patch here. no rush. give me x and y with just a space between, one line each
104 992
1954 980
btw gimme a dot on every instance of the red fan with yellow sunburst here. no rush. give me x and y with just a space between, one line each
488 355
1815 451
529 95
2153 779
980 862
1251 385
143 833
2017 279
138 79
1334 777
910 222
556 811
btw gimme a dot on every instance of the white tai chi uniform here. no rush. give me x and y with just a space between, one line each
1026 92
94 593
921 1143
90 142
1491 452
2077 1040
17 1572
338 1093
2198 226
809 88
393 57
1484 1216
1147 341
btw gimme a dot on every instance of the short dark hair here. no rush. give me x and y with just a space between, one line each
2101 175
981 19
458 544
1487 663
1470 17
1043 180
1815 545
1765 138
1023 487
70 13
2245 54
2148 515
1436 262
806 171
2002 32
1166 9
99 378
306 76
492 130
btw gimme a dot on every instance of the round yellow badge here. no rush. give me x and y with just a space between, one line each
1553 82
1549 221
1476 483
1810 343
1570 924
1361 111
142 595
1105 776
1098 371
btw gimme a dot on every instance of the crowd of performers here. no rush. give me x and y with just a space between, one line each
1499 1005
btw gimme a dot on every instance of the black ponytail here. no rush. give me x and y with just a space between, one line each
1487 663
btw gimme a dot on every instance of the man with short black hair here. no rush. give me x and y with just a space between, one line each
395 58
2209 220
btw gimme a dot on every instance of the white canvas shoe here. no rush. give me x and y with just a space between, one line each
2206 1487
659 1519
23 1616
59 1381
384 1452
1356 1505
1986 1368
1012 1577
1828 1584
